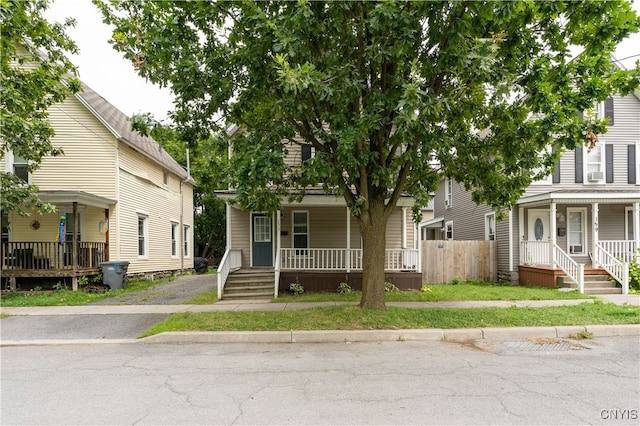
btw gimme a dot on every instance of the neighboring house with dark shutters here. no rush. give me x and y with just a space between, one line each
119 196
315 242
581 221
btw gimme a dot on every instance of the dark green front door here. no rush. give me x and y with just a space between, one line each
262 239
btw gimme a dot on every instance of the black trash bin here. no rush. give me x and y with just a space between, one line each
201 265
114 274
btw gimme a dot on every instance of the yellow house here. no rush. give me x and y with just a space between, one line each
119 197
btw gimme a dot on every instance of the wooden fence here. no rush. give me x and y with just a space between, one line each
442 261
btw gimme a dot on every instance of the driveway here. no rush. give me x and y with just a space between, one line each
178 291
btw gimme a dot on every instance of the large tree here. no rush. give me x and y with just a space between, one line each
35 73
392 95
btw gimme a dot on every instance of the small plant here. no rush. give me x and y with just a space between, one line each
634 274
581 335
344 288
455 281
389 287
425 288
37 288
296 288
60 286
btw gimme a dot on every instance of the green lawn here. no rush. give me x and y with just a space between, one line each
348 317
474 290
72 298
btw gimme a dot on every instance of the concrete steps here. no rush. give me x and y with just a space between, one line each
249 285
594 284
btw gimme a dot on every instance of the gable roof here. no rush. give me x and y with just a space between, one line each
118 124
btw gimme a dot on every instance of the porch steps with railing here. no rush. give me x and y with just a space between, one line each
247 284
596 281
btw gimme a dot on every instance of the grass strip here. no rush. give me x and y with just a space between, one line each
72 298
347 317
444 292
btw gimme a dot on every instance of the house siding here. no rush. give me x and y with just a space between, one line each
142 192
89 150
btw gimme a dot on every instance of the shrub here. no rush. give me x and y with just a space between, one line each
344 288
389 287
296 288
425 288
634 275
455 281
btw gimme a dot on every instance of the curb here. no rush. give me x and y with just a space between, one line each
413 335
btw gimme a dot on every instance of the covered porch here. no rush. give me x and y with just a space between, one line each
69 243
570 232
318 244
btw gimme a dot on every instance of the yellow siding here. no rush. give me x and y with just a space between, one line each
88 163
142 192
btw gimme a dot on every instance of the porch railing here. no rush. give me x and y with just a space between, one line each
624 250
609 261
333 259
574 270
231 261
42 256
534 253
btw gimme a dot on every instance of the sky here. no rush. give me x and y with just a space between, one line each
108 73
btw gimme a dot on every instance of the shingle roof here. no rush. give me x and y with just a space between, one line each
118 123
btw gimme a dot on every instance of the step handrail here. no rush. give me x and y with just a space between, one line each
573 269
231 261
618 269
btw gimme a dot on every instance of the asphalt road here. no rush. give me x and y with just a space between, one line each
476 382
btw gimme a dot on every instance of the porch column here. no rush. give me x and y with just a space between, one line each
552 240
636 227
74 250
404 228
228 225
520 234
347 259
594 230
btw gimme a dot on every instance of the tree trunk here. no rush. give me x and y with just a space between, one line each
373 225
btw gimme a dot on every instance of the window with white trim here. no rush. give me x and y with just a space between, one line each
18 165
448 230
186 236
143 236
300 224
594 164
490 226
628 224
174 239
448 193
577 230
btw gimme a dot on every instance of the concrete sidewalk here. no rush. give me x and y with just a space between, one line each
320 336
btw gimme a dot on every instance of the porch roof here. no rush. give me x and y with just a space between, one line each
314 197
581 196
80 197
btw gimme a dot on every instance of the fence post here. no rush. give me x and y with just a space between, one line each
581 278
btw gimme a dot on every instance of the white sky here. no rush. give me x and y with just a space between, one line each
108 73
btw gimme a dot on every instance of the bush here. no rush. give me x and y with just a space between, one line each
344 288
389 287
296 288
634 275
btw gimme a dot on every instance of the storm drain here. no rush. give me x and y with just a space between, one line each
541 344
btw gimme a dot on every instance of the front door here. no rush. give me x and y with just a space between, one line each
262 239
539 225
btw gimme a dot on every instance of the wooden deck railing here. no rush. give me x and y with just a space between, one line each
42 256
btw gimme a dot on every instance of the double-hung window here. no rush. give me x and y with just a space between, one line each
143 236
301 232
174 239
490 226
186 239
595 164
448 193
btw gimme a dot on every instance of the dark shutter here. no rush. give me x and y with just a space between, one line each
608 158
631 164
306 153
578 152
556 171
608 110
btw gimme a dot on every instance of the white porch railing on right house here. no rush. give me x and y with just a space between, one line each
624 250
610 260
231 261
537 253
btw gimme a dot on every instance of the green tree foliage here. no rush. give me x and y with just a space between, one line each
392 95
35 74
